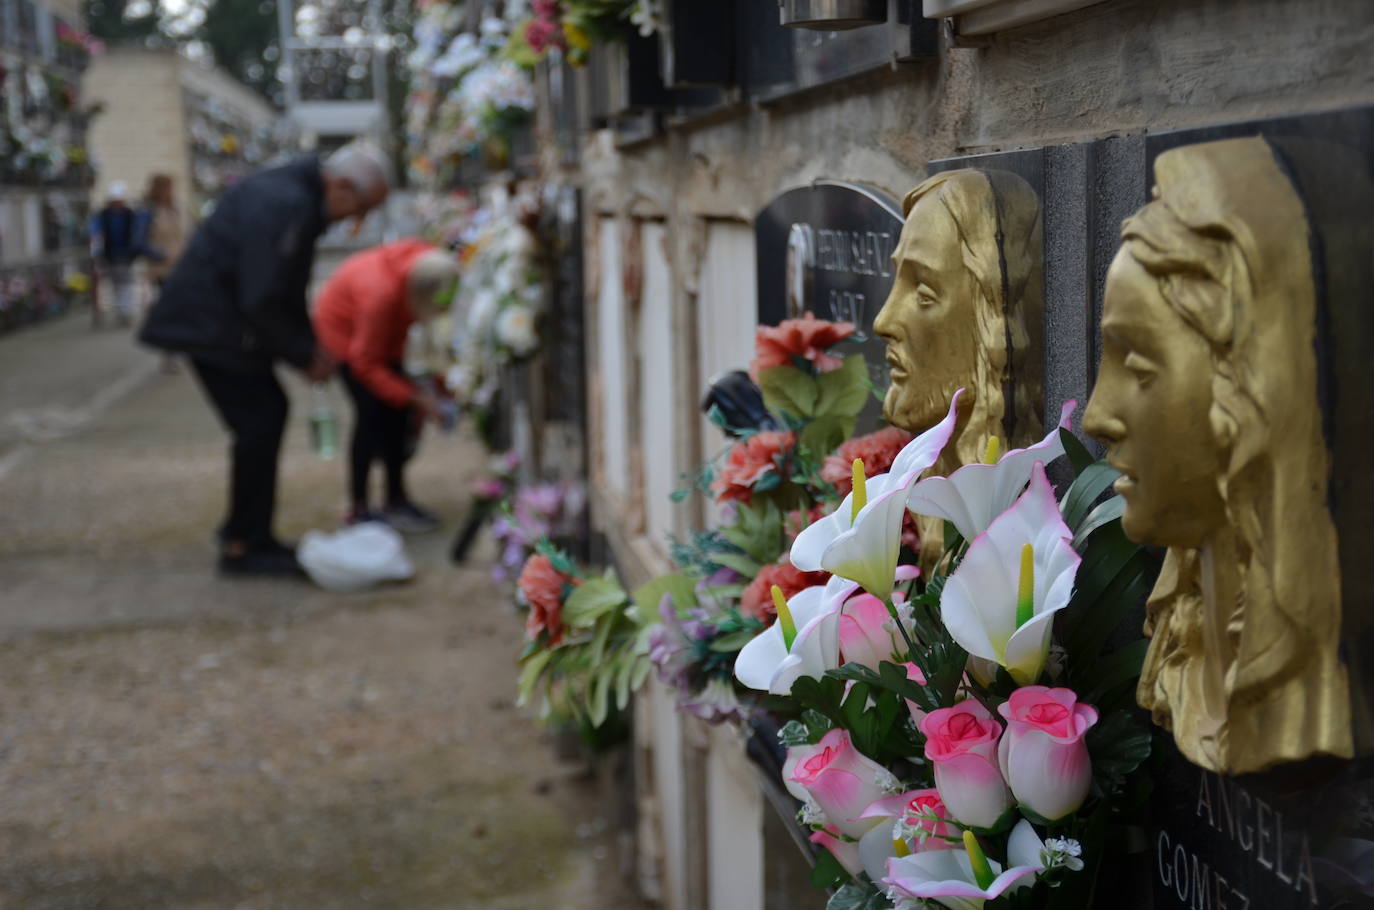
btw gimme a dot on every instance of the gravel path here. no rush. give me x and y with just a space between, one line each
170 739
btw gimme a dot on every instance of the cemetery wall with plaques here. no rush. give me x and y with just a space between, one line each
690 194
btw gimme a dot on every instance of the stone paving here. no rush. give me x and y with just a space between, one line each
172 739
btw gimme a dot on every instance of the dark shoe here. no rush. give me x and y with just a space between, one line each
280 563
408 518
362 516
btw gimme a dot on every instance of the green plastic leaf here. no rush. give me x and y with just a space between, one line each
745 565
1079 456
828 873
604 627
843 392
1107 511
757 531
825 434
858 897
1107 673
728 644
1117 745
682 587
598 699
591 600
529 675
793 733
789 390
1085 489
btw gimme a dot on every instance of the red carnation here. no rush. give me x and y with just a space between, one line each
750 459
757 598
542 586
807 338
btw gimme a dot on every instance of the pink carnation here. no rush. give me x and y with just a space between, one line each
749 460
807 338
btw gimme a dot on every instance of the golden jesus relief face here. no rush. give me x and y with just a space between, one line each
926 320
1151 407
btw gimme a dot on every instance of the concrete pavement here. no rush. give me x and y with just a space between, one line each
172 739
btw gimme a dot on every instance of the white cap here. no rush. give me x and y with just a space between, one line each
117 191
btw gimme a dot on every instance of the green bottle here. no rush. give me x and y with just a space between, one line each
324 424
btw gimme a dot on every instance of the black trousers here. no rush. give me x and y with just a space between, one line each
253 408
379 434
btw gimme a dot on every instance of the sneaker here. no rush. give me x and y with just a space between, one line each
362 516
279 563
408 518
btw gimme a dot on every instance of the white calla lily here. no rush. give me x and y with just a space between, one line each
972 496
805 641
999 604
964 879
862 538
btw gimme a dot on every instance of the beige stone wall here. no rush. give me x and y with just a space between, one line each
142 129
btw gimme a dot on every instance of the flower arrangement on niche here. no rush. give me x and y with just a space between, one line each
960 737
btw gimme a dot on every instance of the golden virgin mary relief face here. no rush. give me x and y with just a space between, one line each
1155 384
1206 398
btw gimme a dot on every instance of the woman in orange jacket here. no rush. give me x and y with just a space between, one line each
363 316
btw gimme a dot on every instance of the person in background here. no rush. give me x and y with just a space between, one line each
363 315
234 304
164 237
116 242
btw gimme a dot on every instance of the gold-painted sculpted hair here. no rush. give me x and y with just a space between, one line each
1227 241
996 216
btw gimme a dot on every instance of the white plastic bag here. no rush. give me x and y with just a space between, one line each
355 558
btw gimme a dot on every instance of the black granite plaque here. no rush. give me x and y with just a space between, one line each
827 248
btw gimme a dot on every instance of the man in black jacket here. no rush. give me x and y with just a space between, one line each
235 304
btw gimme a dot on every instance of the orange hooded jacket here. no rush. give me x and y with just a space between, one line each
362 316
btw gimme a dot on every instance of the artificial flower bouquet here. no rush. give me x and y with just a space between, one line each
771 481
962 738
586 644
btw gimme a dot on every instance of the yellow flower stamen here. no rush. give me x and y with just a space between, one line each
789 625
900 848
860 490
993 451
1025 591
982 872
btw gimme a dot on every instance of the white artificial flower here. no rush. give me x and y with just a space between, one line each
515 329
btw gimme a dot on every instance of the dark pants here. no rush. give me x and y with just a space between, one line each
379 434
253 408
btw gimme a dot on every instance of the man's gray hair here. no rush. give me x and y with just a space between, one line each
360 163
431 274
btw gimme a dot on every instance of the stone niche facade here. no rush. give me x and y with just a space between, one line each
1080 106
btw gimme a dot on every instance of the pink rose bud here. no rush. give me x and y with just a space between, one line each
1043 756
864 637
842 781
961 743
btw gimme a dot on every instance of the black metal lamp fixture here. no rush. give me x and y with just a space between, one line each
832 15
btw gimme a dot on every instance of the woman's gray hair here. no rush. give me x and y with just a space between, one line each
360 163
431 274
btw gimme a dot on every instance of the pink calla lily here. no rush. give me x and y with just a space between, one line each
863 547
997 613
974 495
